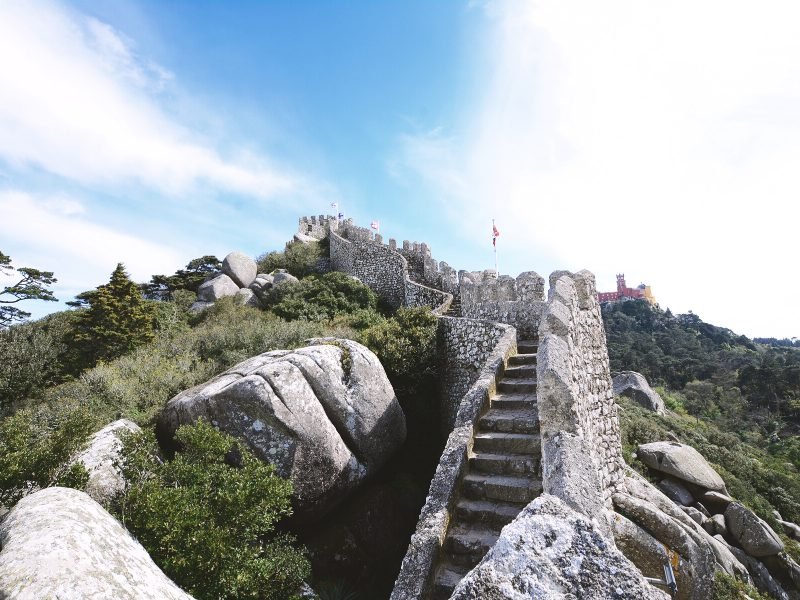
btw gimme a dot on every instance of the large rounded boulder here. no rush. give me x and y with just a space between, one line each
633 385
325 415
682 462
59 543
240 268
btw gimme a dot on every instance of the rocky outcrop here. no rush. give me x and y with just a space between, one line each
633 385
240 268
751 533
325 415
551 551
59 543
240 279
682 462
742 543
99 458
217 287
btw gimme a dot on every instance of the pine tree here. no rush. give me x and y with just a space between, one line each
117 320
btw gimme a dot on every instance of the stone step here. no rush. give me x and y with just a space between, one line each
506 488
522 359
504 464
521 372
527 346
468 545
512 400
510 420
517 386
447 577
495 442
495 515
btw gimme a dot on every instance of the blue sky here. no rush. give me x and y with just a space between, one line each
655 139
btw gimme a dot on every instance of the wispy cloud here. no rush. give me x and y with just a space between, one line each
77 100
52 233
657 138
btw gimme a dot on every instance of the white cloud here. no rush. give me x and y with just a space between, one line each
77 100
659 139
49 234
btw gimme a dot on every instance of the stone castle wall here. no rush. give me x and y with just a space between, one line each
518 302
464 346
317 226
381 267
582 456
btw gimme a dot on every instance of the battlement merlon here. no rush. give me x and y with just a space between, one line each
317 226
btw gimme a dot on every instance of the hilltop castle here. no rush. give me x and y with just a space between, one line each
643 292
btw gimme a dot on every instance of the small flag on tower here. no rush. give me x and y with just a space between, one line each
334 206
495 234
375 225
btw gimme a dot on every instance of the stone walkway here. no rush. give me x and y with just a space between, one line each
503 474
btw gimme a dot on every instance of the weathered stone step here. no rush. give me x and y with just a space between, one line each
495 442
506 488
447 577
495 515
521 372
517 386
510 420
504 464
527 346
522 359
468 545
512 400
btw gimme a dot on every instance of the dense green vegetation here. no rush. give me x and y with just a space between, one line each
208 516
735 401
721 377
300 259
121 355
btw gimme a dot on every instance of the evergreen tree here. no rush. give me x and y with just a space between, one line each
31 285
117 320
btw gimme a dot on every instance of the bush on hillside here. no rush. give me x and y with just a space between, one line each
207 517
299 258
406 346
35 446
34 356
321 298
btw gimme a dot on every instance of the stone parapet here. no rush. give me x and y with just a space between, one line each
582 456
518 302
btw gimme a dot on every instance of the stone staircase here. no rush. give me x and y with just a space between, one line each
503 474
455 308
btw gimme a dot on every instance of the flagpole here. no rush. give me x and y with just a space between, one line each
494 243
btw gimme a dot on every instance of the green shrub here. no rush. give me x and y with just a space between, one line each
727 587
299 258
35 446
406 346
34 356
321 298
207 517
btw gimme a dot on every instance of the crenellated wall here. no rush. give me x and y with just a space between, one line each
518 302
381 267
317 226
581 452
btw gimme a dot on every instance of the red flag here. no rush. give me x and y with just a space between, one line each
495 234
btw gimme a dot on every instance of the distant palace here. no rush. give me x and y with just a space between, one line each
643 292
